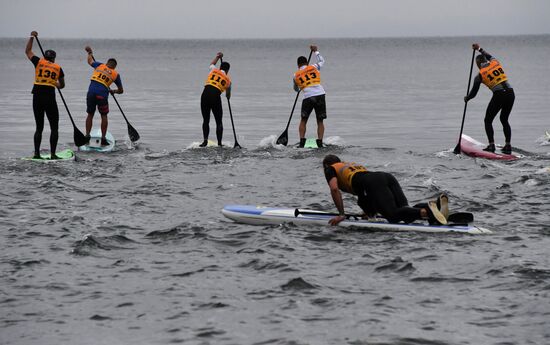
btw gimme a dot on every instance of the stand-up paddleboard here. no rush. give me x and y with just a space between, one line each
211 143
65 155
95 142
273 215
311 143
474 148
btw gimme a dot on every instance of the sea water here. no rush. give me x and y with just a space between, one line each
131 246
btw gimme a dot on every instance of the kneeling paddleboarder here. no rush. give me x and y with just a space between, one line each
377 192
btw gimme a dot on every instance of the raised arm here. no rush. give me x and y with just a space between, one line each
488 56
320 59
28 48
90 55
218 56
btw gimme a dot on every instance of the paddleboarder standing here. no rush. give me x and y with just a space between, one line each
217 82
48 77
308 79
377 192
98 92
492 75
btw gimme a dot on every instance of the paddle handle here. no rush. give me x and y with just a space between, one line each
58 89
457 148
231 117
297 95
119 107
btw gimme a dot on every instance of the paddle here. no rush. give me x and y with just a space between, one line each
457 148
132 133
231 116
78 136
456 217
298 212
283 138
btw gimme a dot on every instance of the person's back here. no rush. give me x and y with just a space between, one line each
97 97
217 82
48 77
307 79
491 74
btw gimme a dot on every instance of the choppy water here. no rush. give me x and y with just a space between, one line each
131 247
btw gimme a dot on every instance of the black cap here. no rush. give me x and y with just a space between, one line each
225 66
49 54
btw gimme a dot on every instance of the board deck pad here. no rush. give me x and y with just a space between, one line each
64 155
473 148
311 143
259 215
95 138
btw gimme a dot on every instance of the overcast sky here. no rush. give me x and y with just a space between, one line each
272 19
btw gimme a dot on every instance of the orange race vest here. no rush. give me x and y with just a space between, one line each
104 75
306 77
344 174
46 73
218 79
493 74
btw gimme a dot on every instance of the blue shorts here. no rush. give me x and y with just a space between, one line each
94 101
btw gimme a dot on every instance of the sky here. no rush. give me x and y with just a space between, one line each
183 19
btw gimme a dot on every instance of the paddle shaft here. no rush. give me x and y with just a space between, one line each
77 133
132 133
285 133
297 212
231 116
456 217
457 148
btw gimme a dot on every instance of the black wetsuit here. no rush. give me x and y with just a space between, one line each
502 100
379 192
211 101
44 101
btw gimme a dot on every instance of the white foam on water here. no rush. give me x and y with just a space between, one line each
270 141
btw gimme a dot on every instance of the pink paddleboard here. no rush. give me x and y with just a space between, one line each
474 148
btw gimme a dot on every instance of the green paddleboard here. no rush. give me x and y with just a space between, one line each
46 157
311 143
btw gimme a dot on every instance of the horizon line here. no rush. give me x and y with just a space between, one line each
279 38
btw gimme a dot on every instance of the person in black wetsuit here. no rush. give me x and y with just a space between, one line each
377 192
48 76
492 75
216 83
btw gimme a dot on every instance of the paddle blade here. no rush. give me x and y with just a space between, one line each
283 139
461 217
79 138
237 146
457 149
132 133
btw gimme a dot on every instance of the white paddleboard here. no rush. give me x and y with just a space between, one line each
274 215
95 142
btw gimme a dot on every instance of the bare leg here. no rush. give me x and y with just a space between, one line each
302 128
89 122
320 129
104 124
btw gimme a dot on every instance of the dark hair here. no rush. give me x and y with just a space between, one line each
329 160
302 61
225 66
480 59
49 55
111 60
